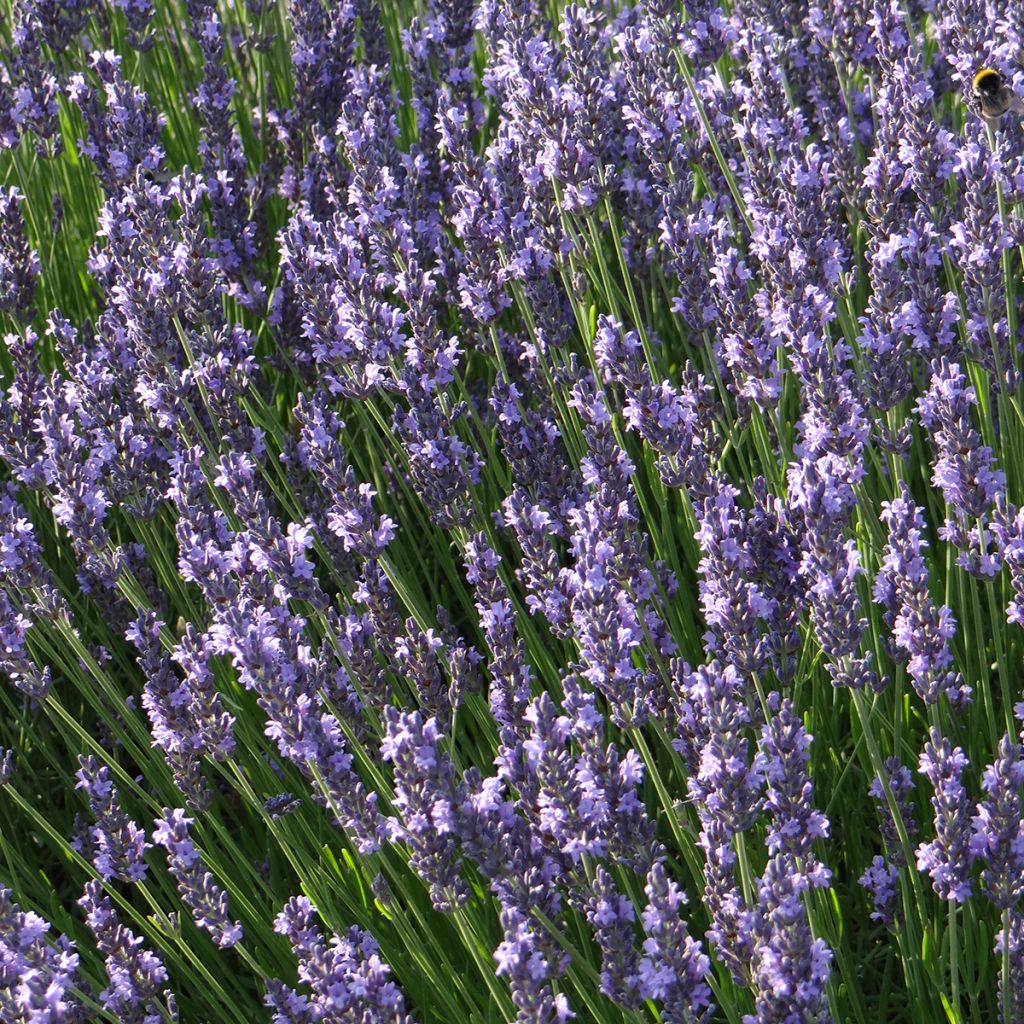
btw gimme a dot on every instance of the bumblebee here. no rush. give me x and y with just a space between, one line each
993 96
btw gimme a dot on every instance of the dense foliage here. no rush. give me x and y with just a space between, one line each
511 511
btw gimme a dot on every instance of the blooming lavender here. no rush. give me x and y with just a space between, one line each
821 496
349 513
880 880
19 264
529 973
346 977
920 629
791 967
122 133
38 977
674 967
947 857
455 455
118 844
726 786
29 83
964 468
186 717
897 779
796 825
427 796
609 781
207 901
612 917
980 239
509 670
897 821
136 975
998 834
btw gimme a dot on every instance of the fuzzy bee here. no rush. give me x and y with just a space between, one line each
994 96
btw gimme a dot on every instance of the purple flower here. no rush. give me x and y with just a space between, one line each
118 844
749 352
1008 529
210 728
235 196
725 784
350 328
29 87
207 901
135 974
428 796
347 977
612 917
16 660
478 217
880 879
821 496
74 469
509 670
186 715
674 969
443 467
19 264
609 782
21 446
322 46
676 422
790 967
736 609
947 857
138 14
349 513
964 468
532 443
731 921
123 135
611 585
1011 1000
61 21
529 973
728 772
920 629
796 825
901 786
998 829
418 655
537 530
38 977
565 814
977 242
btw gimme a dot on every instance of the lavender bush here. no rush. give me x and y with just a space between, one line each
511 511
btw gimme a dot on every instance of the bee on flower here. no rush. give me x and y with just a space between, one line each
994 96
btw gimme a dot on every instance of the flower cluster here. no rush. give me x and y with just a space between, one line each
542 480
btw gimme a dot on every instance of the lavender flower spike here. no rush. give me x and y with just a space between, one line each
675 968
520 958
19 264
947 857
207 901
348 978
964 468
118 844
998 838
791 967
920 629
36 976
135 973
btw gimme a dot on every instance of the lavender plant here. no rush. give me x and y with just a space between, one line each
511 510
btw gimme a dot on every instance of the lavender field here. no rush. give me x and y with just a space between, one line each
511 511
